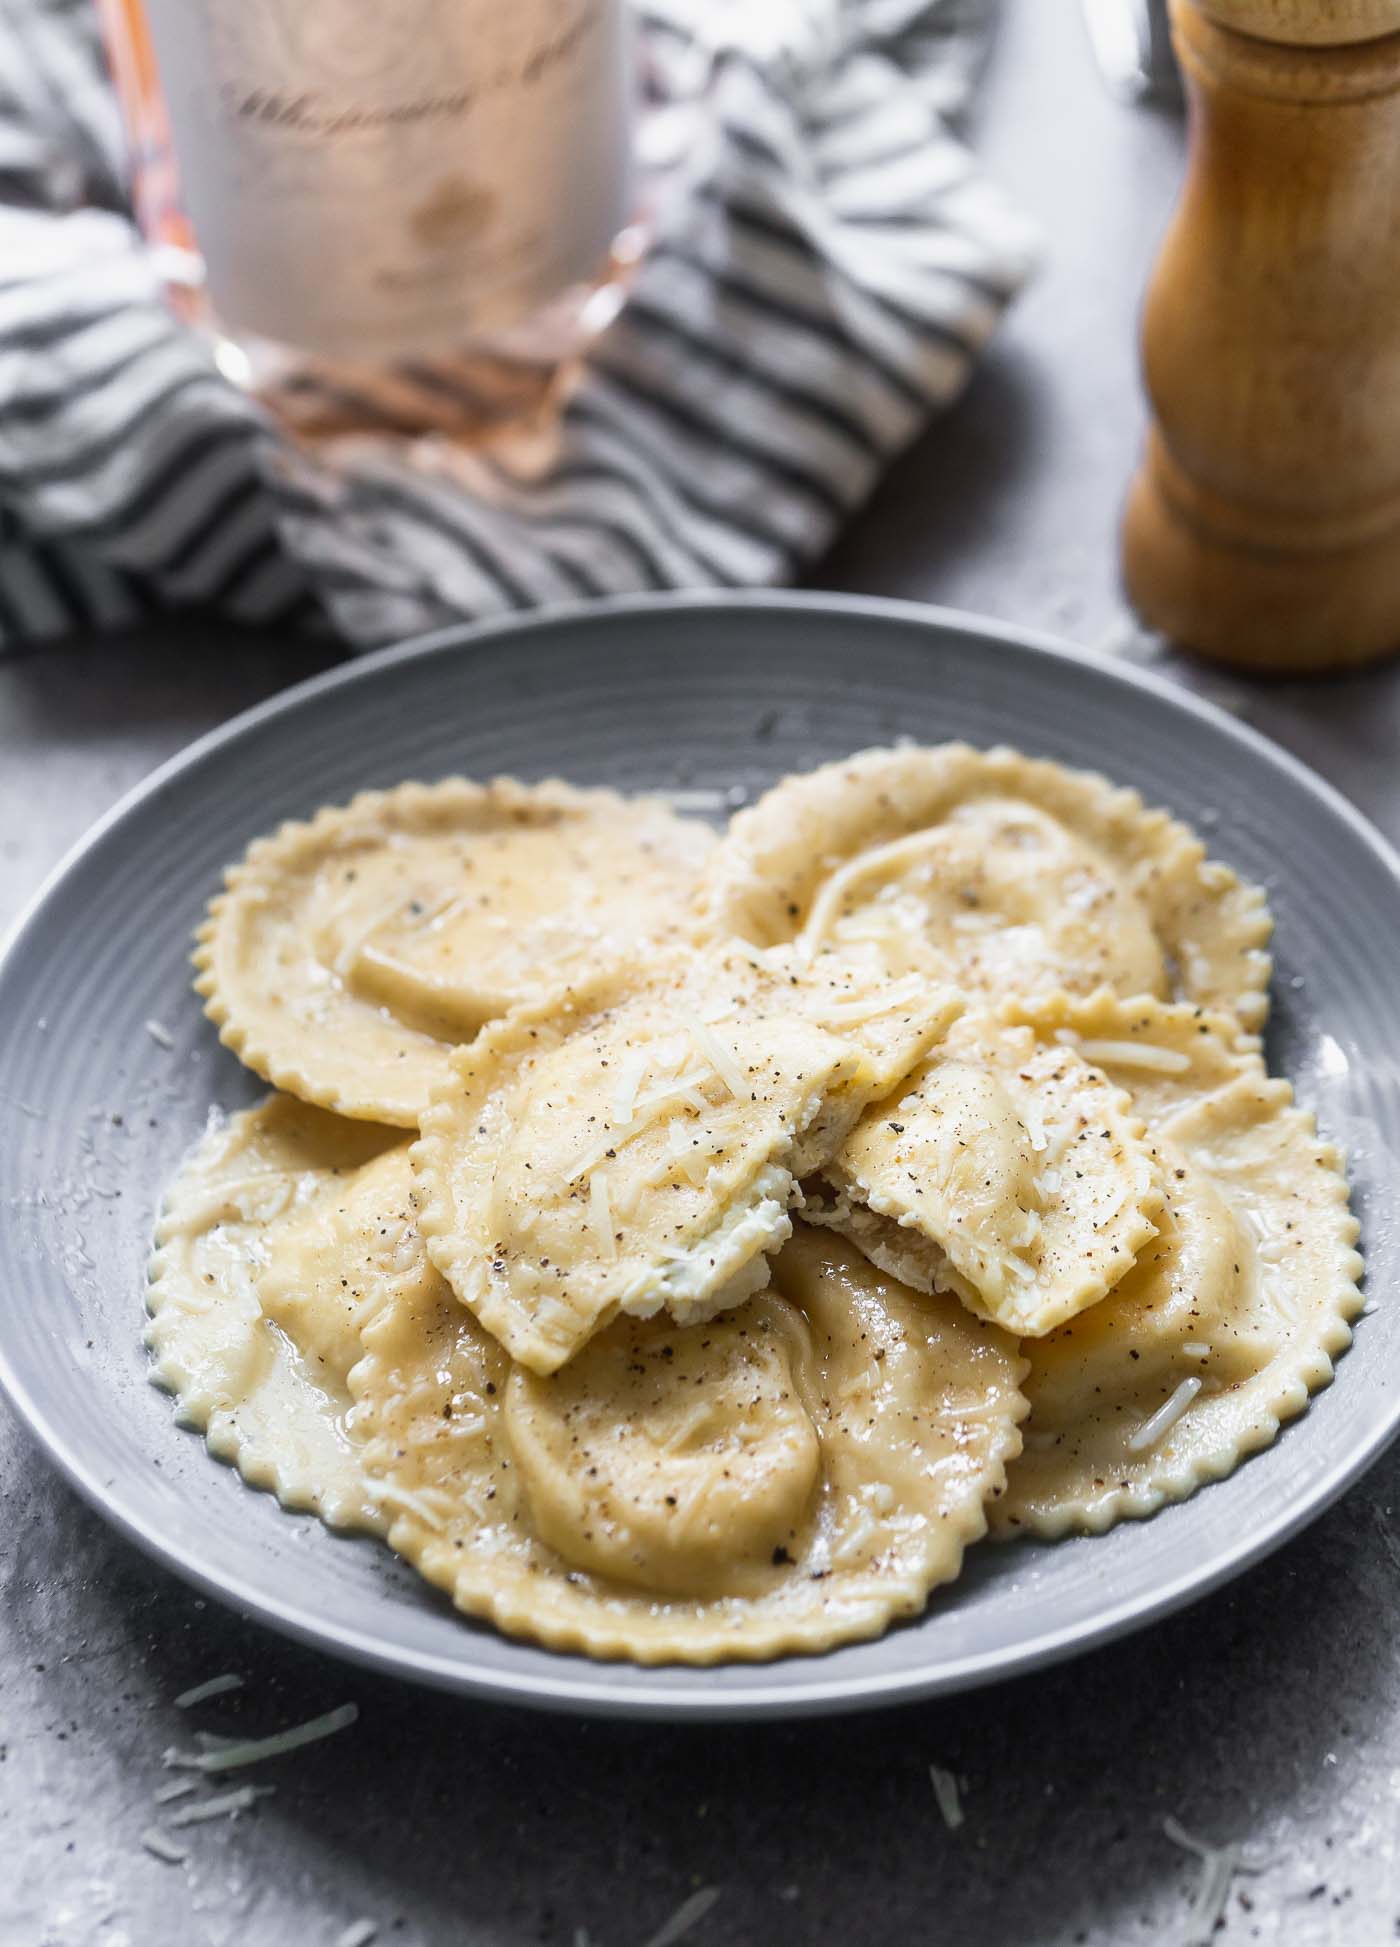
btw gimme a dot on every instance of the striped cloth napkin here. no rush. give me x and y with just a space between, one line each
819 282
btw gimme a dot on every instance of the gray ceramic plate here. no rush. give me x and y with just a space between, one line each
707 694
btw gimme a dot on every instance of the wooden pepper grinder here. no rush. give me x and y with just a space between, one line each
1263 526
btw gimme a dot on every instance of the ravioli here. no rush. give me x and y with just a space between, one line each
1008 1171
1030 877
257 1201
988 1025
1231 1317
347 956
793 1475
633 1145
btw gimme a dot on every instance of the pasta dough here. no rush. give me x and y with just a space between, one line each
347 956
1232 1315
268 1387
633 1145
1030 877
790 1476
1009 1172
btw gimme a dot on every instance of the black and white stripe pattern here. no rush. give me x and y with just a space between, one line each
821 276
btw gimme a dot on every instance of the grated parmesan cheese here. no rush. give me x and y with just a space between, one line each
630 1075
945 1790
403 1497
241 1200
358 1934
1219 1864
162 1037
856 1541
681 1090
355 942
684 1088
1136 1054
155 1841
849 1013
1030 1229
226 1805
1166 1417
687 1915
175 1788
826 914
723 1059
202 1692
229 1757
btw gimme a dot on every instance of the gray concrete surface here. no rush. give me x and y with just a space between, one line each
1268 1715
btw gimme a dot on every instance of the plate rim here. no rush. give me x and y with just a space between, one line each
588 1692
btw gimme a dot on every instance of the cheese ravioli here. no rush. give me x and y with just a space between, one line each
1233 1314
346 957
633 1145
1008 1171
793 1475
1029 877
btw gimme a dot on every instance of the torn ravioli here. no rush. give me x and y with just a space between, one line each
792 1475
633 1145
347 956
1230 1319
268 1387
1030 877
1005 1170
